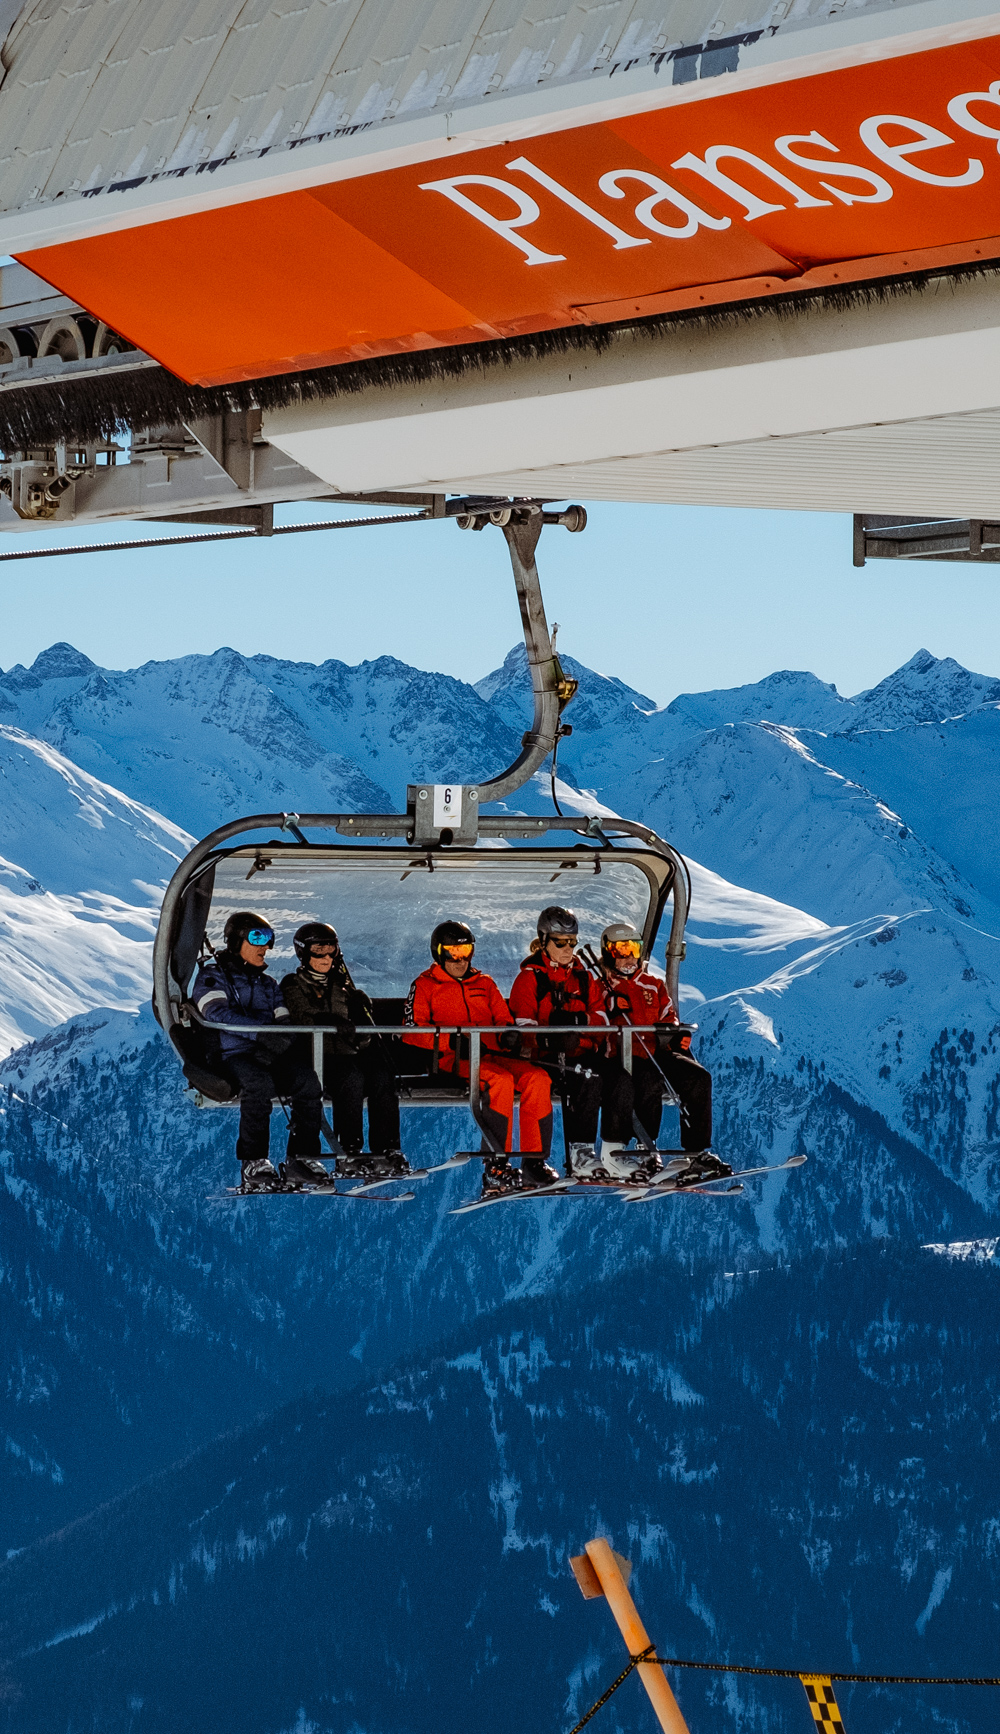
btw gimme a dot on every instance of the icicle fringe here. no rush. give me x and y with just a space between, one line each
101 409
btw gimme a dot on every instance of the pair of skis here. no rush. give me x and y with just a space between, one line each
636 1192
632 1192
362 1191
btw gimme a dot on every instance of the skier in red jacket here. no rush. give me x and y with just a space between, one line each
452 991
555 987
633 995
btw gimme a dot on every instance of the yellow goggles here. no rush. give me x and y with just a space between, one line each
457 953
625 948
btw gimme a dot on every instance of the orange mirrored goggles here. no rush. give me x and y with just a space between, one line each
625 948
457 953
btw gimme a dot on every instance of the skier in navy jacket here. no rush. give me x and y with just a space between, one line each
234 989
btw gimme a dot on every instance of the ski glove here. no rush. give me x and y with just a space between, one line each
564 1043
273 1045
673 1039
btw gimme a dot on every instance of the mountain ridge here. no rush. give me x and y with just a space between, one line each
422 1525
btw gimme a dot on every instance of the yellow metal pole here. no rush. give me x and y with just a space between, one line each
613 1584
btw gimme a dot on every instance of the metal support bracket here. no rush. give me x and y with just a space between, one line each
878 536
443 812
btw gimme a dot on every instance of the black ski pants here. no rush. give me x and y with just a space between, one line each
581 1098
347 1080
262 1076
642 1093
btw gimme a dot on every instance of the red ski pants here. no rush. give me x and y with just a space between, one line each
499 1078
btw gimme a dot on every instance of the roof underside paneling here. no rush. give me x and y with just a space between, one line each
945 464
103 92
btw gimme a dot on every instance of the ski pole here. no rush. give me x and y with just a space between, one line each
577 1070
564 1099
366 1011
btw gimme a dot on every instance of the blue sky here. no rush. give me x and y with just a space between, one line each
670 598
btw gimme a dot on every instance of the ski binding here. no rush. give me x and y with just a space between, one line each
671 1184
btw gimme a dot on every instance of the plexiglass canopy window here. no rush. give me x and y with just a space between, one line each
386 904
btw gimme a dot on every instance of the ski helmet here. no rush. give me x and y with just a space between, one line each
314 933
559 921
241 925
621 944
448 933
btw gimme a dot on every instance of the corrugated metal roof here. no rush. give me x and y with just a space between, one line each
104 92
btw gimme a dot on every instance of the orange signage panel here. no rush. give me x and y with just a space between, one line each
747 187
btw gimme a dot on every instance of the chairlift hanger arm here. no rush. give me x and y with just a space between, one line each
522 524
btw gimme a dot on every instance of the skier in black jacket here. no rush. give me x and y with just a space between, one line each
355 1065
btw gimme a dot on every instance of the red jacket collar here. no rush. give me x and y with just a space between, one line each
438 973
539 960
641 975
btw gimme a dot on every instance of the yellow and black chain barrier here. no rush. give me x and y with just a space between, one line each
818 1687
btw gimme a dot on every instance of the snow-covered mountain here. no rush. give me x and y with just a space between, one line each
926 689
843 967
806 842
397 1557
202 740
81 878
208 738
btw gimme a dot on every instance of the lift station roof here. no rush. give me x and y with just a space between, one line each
251 189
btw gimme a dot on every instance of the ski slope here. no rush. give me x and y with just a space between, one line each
81 880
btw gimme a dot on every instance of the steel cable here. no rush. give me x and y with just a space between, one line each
648 1655
643 1656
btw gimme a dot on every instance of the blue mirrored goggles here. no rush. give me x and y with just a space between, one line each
260 936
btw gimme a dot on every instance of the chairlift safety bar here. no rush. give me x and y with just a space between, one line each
475 1033
619 1032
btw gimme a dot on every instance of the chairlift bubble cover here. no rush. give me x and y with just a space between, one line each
385 902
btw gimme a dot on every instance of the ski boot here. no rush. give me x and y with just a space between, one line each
585 1164
535 1172
305 1171
622 1164
387 1164
499 1177
259 1175
702 1165
353 1165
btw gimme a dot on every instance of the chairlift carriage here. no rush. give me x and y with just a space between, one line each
389 879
